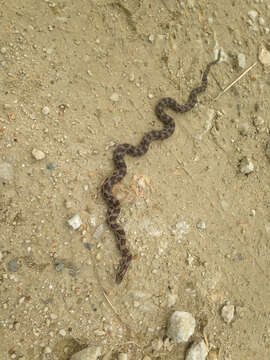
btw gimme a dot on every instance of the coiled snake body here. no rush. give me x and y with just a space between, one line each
139 150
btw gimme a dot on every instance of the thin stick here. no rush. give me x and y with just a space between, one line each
235 81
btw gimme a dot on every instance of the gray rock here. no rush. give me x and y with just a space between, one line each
181 326
6 171
13 265
197 351
90 353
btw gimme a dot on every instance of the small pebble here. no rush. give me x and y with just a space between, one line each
62 332
151 38
90 353
13 265
114 97
45 110
227 313
241 60
3 50
75 222
98 232
47 350
246 166
181 326
131 77
264 56
201 225
252 212
6 171
261 21
258 121
197 351
50 166
38 154
252 14
243 129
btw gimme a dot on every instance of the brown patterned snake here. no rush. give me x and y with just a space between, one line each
139 150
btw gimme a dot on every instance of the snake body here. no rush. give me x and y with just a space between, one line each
139 150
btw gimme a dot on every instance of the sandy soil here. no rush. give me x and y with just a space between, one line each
198 227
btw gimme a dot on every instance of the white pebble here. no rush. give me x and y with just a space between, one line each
98 232
258 121
252 212
45 110
114 97
131 77
241 60
181 326
261 21
246 166
62 332
227 313
264 56
197 351
75 222
201 225
151 38
3 50
90 353
38 154
47 350
253 14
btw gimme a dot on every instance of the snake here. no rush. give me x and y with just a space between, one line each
120 170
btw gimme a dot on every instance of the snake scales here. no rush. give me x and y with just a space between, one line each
139 150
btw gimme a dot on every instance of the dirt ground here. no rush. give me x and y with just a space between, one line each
79 77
